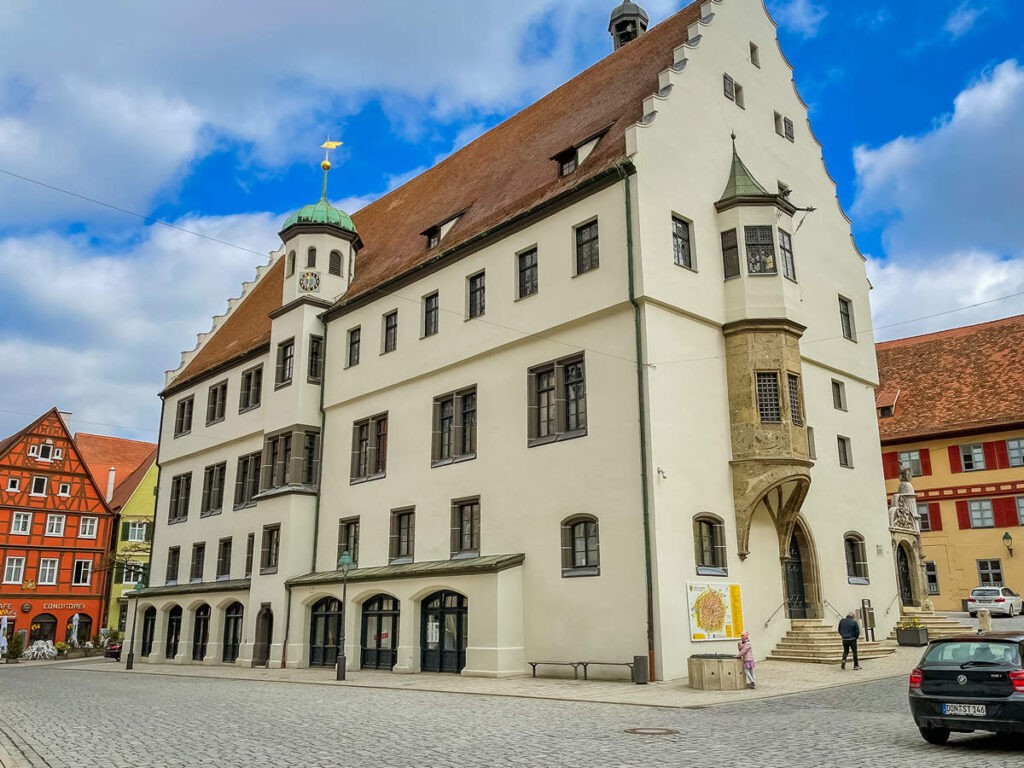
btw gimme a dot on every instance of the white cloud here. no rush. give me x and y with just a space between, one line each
962 19
803 17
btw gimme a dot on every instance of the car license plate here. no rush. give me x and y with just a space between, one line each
974 710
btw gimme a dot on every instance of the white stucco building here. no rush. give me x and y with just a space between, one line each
545 393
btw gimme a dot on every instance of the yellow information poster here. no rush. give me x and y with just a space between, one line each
716 610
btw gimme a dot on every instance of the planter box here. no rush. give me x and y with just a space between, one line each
716 672
912 636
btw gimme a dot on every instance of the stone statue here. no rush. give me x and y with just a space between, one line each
903 512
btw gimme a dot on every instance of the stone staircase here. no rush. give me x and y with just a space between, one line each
817 641
936 624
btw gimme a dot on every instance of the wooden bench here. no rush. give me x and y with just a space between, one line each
574 664
585 664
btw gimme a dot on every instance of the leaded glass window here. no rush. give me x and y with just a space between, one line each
431 310
768 397
528 273
575 396
391 331
545 403
681 253
586 248
584 544
786 247
476 295
730 254
760 250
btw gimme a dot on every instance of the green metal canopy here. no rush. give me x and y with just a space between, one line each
321 213
741 181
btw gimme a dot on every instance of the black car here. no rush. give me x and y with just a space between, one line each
969 683
113 651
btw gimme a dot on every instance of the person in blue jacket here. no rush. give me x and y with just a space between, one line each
849 630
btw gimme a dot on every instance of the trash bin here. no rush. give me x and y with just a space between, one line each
640 670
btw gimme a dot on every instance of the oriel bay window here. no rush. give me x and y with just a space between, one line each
213 489
557 401
581 554
315 371
768 402
403 536
454 437
285 369
466 528
181 487
348 539
709 545
856 559
369 448
290 458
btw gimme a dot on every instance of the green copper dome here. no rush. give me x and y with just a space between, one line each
321 213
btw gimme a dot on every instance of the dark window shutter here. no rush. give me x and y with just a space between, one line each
124 531
926 461
934 516
566 545
963 516
456 530
954 460
991 455
119 573
1002 455
891 465
1004 511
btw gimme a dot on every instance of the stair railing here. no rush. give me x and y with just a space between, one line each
774 613
894 599
836 612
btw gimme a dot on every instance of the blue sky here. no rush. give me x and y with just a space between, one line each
209 116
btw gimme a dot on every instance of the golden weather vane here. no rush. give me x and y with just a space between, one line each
327 146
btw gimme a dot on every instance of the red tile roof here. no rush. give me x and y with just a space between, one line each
100 453
124 488
505 172
961 380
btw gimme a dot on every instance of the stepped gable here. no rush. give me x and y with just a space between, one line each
509 169
959 380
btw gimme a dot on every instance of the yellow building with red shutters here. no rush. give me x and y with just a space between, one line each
951 409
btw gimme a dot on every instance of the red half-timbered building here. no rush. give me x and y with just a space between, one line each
55 535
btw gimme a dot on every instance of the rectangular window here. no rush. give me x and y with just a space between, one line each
181 488
369 448
183 416
213 489
811 450
14 570
925 516
13 485
795 411
730 254
931 576
768 397
33 450
465 528
990 573
789 129
348 539
587 255
46 452
838 395
354 336
779 127
912 461
310 458
250 547
39 486
755 56
247 478
270 549
476 299
173 559
845 452
528 278
21 523
55 525
972 457
133 573
760 250
224 559
786 248
1015 452
391 331
729 87
403 536
846 318
433 237
1020 510
64 489
278 453
981 513
739 96
285 369
557 400
195 573
431 314
82 575
316 359
87 527
252 389
567 162
136 532
47 571
681 253
216 401
454 426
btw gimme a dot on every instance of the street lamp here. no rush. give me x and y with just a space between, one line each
130 663
1008 542
344 564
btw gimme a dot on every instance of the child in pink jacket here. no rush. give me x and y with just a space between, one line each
746 652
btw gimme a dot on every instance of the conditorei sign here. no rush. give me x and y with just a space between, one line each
63 606
716 610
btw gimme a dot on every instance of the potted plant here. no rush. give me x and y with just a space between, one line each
911 632
62 648
15 648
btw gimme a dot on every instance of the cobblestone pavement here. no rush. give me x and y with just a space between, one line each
71 716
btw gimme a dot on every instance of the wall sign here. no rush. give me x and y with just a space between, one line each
62 606
716 610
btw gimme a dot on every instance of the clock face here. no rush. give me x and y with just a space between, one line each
309 282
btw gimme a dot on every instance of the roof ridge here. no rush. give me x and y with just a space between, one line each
114 437
960 330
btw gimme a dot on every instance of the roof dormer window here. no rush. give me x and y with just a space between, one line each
433 237
438 233
567 162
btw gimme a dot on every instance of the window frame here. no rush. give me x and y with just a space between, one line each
331 262
64 490
476 295
214 482
248 476
369 463
913 455
569 550
173 570
184 411
250 553
788 257
676 239
316 359
763 396
95 521
988 569
27 517
582 255
457 445
36 479
924 517
845 445
460 509
354 339
856 569
250 396
718 565
270 549
53 531
532 271
400 552
348 538
975 453
197 563
790 130
133 526
181 491
223 572
81 568
431 314
1015 451
14 564
931 574
796 410
755 55
284 368
13 485
847 321
731 254
839 395
389 332
753 242
216 402
728 87
559 428
985 516
45 565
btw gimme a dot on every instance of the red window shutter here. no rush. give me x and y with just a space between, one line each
1005 512
963 516
891 465
1002 455
934 516
954 462
991 459
926 461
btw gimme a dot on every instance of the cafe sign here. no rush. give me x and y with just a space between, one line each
63 606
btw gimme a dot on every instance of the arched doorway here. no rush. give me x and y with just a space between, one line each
903 575
201 633
148 630
43 627
379 637
444 632
232 632
264 636
796 595
324 631
84 633
800 576
173 632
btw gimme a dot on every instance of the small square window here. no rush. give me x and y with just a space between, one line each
13 485
972 457
788 128
568 161
58 454
55 525
39 486
21 523
87 528
33 450
64 490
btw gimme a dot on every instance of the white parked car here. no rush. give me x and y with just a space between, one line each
998 600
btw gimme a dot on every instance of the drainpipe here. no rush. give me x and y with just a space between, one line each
623 169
